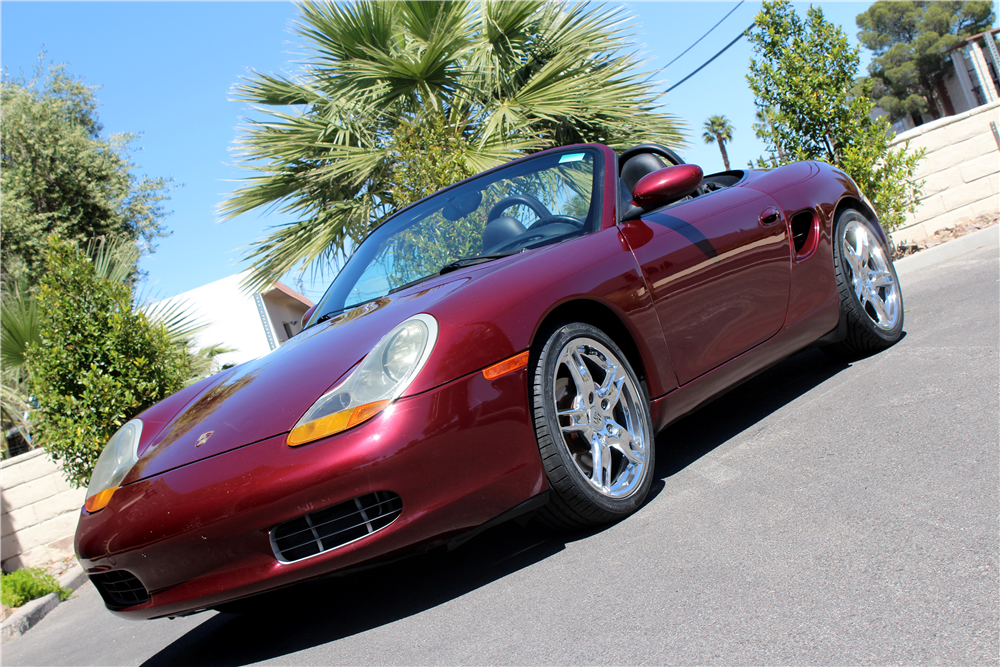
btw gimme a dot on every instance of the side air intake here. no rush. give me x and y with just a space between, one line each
119 588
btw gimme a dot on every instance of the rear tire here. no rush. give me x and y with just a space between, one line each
593 427
871 301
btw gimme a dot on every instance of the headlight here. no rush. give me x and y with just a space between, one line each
118 457
378 380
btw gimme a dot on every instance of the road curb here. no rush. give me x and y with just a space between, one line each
29 614
949 250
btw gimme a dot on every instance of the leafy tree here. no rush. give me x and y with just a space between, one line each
98 361
427 157
802 78
60 176
397 97
719 129
61 179
762 127
911 41
112 261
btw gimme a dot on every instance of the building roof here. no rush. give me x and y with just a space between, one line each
285 289
973 38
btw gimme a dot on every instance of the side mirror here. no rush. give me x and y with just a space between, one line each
309 313
666 185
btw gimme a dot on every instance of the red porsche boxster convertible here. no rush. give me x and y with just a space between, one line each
510 344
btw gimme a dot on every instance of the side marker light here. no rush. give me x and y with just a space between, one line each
517 362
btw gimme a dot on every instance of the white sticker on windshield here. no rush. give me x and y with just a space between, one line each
571 157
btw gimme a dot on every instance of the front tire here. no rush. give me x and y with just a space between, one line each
871 301
593 427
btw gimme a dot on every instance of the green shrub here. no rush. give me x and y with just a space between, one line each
27 584
98 361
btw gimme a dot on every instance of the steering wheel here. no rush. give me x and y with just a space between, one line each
537 207
545 217
552 229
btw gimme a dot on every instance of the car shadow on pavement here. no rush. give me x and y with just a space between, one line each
324 611
692 437
319 612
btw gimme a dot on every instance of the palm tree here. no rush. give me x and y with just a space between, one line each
718 128
477 84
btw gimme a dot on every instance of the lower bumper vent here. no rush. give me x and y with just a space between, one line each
335 526
119 588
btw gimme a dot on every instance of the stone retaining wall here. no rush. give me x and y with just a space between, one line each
40 510
961 168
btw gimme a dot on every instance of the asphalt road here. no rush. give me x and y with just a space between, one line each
822 513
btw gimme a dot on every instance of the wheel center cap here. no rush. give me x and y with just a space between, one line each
596 419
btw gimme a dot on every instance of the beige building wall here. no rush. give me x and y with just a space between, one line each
961 171
231 317
234 319
285 313
40 510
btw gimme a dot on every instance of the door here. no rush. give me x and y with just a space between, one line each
719 268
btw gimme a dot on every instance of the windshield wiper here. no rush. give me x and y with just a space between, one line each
411 283
472 260
338 311
327 316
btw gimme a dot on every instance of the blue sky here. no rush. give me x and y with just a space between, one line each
165 69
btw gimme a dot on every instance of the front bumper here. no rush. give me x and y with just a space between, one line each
199 535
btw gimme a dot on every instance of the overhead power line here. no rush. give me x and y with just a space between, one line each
726 48
703 36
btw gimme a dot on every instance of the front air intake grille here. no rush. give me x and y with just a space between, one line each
119 588
335 526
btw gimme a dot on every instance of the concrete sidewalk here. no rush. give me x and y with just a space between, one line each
949 250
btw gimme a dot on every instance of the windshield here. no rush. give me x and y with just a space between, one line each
527 204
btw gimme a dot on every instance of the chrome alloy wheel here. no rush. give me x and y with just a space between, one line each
597 407
873 283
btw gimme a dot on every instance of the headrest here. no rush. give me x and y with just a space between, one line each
639 166
500 230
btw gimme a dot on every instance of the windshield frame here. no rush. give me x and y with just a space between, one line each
329 305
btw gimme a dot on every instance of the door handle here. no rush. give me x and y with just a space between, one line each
769 216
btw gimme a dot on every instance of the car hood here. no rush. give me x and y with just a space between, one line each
267 396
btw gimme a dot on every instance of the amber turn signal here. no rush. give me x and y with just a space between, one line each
99 501
335 423
509 365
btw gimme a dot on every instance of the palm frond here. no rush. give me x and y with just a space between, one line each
261 88
19 327
179 320
15 399
509 77
307 240
203 361
114 259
